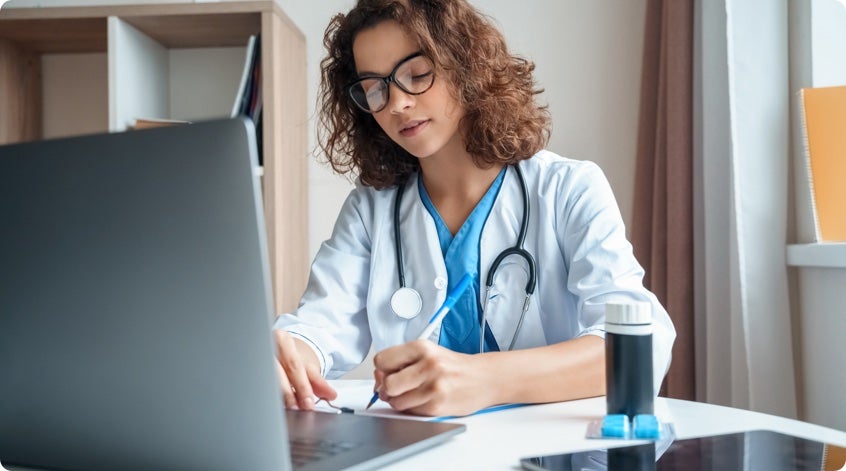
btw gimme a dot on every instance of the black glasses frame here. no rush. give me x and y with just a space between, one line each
387 80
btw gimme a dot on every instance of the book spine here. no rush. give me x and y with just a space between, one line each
245 76
809 176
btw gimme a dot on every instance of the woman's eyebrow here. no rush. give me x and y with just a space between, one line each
368 74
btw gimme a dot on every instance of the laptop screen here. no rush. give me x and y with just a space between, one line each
135 306
135 326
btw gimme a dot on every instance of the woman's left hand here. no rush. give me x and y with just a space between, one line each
423 378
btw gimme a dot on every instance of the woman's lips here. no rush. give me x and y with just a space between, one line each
413 128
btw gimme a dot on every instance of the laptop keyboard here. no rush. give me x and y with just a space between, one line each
304 451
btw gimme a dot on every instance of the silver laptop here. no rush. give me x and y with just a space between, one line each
135 314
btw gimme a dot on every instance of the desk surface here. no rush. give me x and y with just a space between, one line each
498 440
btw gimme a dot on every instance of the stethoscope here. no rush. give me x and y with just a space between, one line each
407 303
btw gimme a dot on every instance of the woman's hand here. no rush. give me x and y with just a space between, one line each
299 373
423 378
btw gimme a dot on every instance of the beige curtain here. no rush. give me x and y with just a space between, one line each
662 231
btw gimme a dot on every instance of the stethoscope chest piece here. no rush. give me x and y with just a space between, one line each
406 303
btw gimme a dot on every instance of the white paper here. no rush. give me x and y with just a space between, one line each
355 394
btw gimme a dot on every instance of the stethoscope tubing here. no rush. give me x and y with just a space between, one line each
517 250
397 238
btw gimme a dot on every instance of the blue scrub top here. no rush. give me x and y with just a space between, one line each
460 327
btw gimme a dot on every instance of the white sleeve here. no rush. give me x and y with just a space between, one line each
332 315
601 263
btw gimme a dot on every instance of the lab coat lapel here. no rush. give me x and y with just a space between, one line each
424 262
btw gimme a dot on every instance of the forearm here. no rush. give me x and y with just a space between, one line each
573 369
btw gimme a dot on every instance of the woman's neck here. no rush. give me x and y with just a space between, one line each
455 185
451 173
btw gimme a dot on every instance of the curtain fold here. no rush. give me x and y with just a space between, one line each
662 229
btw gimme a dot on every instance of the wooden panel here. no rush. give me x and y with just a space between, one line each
57 35
211 30
20 93
286 157
151 9
83 29
73 94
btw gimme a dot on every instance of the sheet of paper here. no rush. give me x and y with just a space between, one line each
355 394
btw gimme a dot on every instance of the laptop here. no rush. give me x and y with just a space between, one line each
135 313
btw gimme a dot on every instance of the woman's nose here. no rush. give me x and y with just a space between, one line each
399 100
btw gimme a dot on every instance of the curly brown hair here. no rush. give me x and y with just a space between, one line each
502 122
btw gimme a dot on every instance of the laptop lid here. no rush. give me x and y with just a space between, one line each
135 306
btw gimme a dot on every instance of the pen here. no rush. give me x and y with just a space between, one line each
449 302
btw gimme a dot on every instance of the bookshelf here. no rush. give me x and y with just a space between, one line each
68 71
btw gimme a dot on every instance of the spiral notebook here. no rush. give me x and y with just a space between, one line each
823 112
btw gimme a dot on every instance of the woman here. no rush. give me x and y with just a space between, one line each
422 100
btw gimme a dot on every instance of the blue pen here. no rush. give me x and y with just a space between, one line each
449 302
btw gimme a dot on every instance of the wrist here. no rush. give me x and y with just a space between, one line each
308 355
494 379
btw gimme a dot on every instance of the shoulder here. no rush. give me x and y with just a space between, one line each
367 203
364 196
552 172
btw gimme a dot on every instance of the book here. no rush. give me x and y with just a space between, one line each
250 79
823 113
248 100
147 123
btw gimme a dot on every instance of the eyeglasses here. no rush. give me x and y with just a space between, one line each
414 75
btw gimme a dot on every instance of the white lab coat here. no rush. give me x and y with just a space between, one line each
575 233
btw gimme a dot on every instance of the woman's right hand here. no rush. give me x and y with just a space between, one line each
299 373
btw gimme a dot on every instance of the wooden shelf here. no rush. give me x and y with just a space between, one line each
57 35
148 9
190 31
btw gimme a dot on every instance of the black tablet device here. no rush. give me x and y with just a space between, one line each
749 451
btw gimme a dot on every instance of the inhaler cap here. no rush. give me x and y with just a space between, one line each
628 313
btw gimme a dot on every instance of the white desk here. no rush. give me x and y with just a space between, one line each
498 440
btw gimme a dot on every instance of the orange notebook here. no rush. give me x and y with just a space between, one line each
824 129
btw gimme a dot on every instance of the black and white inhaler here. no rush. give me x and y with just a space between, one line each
628 358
